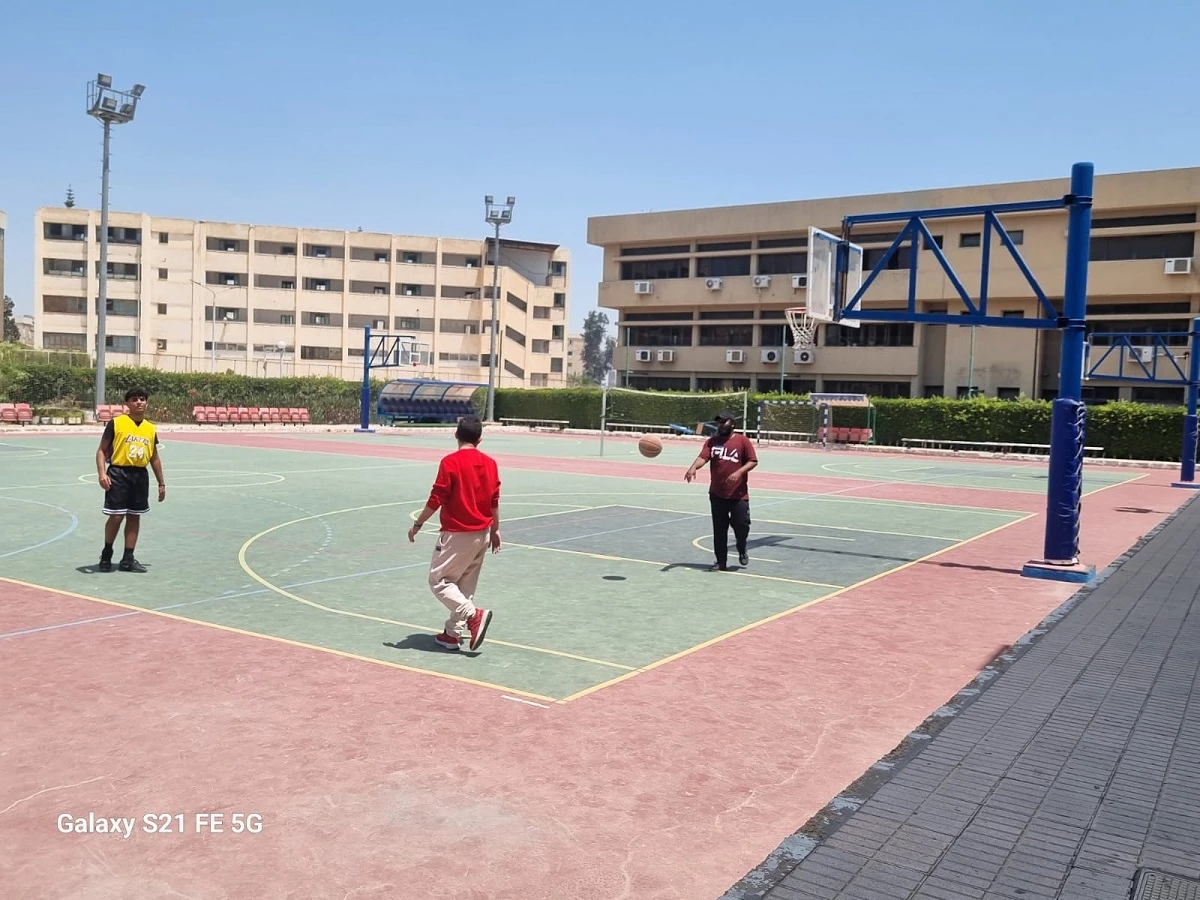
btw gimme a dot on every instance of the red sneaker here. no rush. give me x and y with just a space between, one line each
477 625
449 641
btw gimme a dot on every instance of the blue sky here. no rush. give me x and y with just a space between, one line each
400 117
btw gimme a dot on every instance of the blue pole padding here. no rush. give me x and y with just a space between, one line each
1068 422
1187 468
365 424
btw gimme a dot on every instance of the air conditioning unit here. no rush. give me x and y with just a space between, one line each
762 281
799 281
772 356
643 287
734 356
644 355
805 356
666 356
1178 266
714 284
1145 354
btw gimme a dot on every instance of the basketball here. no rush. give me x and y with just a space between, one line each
649 446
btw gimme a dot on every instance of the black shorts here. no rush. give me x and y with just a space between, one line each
129 494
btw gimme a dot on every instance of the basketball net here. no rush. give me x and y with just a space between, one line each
803 325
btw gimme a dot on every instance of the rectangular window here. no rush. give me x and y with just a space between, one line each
649 270
659 336
162 274
1143 246
722 266
726 335
162 309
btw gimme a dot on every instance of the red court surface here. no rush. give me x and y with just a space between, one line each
374 782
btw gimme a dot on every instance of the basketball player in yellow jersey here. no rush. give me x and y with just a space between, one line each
129 445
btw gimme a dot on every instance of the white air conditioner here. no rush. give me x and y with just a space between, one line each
643 287
772 356
799 281
1145 354
320 287
805 356
644 355
714 284
735 356
666 356
1179 266
762 281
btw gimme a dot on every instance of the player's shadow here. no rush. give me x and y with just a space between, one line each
426 644
94 569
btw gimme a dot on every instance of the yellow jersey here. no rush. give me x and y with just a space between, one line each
132 443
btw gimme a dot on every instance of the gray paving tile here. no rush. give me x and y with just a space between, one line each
1061 775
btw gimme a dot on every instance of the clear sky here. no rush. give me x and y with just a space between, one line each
399 117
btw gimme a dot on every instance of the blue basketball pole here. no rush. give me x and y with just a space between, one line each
365 423
1187 467
1068 418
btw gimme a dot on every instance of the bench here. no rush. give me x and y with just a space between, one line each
1010 447
250 415
557 424
106 412
832 435
16 414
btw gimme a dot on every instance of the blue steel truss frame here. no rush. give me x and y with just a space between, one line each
1069 416
380 351
1123 345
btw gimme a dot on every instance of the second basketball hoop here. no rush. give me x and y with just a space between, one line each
803 325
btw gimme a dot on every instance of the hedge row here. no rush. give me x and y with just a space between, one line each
1125 430
173 394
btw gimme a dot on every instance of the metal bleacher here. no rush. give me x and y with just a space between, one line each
423 401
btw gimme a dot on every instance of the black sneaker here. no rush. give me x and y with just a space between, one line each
130 565
718 567
105 565
743 557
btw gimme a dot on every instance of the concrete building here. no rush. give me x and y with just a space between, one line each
685 289
25 329
574 355
295 301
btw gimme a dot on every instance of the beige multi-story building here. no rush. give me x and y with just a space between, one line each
574 355
264 300
689 294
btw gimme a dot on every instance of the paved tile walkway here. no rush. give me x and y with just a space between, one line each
1060 773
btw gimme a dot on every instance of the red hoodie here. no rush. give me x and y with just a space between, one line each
466 489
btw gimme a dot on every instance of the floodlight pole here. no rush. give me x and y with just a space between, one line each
495 215
102 301
109 107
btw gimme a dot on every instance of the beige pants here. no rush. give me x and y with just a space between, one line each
454 573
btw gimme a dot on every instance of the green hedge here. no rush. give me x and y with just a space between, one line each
1125 430
173 394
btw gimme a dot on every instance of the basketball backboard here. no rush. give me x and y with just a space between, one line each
824 304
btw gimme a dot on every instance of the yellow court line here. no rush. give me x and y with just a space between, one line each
281 640
369 618
787 612
651 562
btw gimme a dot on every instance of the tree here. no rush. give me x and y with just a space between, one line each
597 346
70 197
12 334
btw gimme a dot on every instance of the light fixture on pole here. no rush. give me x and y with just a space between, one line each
110 107
497 215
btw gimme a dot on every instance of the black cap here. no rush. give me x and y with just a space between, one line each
725 414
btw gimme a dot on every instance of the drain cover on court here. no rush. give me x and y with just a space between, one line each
1153 885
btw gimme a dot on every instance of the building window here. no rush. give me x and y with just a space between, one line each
783 263
658 336
560 300
162 309
722 266
162 274
1143 246
163 237
870 334
649 270
972 239
726 335
1008 393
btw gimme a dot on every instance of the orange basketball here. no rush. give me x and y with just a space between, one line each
649 446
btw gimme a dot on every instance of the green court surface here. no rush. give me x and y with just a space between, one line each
601 576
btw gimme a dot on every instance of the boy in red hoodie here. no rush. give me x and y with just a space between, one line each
467 491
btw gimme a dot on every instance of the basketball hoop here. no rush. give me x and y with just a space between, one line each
803 325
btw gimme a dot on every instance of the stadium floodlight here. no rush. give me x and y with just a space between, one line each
497 215
110 107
